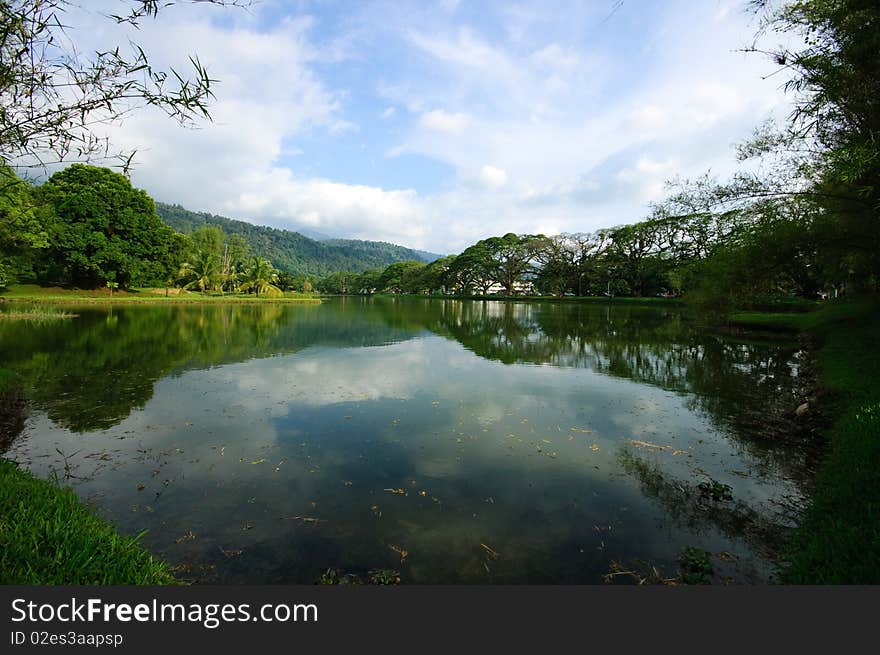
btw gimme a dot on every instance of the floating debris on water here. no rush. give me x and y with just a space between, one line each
647 445
400 551
494 553
306 519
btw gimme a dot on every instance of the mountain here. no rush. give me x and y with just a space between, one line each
421 255
294 252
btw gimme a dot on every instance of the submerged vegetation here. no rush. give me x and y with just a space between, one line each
35 314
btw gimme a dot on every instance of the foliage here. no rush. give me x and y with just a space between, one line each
292 252
47 538
101 229
22 235
260 277
400 276
53 96
808 220
201 272
695 566
216 260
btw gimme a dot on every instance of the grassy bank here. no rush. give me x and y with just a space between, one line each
48 537
37 294
620 300
838 541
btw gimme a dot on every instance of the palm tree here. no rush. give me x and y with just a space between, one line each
202 271
260 276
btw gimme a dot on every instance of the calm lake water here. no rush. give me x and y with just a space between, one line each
452 441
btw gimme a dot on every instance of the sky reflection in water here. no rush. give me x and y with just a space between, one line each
266 444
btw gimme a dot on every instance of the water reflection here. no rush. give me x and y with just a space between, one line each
288 439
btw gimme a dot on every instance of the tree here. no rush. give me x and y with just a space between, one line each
508 259
21 233
341 282
367 283
471 268
394 277
227 254
260 276
53 97
235 252
100 228
202 271
435 277
808 215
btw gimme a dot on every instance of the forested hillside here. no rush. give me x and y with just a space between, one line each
291 251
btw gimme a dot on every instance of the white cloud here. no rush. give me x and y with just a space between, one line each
648 176
446 122
492 177
558 129
358 211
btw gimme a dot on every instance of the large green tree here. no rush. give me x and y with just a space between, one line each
21 232
101 229
809 216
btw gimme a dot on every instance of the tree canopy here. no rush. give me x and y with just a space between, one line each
102 229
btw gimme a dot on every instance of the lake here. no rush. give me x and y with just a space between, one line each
451 441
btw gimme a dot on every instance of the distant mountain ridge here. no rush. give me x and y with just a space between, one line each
293 252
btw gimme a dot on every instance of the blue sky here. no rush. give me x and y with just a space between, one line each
435 124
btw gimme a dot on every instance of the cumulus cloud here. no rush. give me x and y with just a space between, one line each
449 123
492 177
359 211
541 118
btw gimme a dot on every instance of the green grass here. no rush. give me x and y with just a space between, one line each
48 537
838 540
784 321
37 294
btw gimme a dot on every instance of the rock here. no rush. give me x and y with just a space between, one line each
802 409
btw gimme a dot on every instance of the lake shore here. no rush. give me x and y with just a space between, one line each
837 541
49 537
56 295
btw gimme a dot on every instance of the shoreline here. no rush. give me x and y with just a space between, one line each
837 540
53 295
